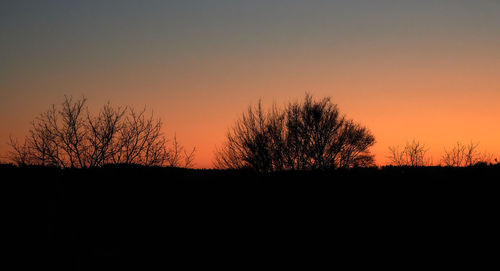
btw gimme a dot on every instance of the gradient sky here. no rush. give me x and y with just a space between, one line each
428 70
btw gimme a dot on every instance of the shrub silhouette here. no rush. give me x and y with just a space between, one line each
70 137
413 154
463 155
303 136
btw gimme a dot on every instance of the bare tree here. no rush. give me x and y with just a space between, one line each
356 141
102 133
302 136
139 140
248 145
20 153
413 154
67 137
465 155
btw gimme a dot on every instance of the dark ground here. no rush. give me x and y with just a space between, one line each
130 216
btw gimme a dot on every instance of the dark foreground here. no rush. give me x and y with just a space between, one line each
128 217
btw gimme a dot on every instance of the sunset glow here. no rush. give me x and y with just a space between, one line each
425 70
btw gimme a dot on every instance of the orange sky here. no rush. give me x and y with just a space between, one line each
422 72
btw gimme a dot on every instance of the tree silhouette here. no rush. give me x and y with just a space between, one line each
302 136
71 137
413 154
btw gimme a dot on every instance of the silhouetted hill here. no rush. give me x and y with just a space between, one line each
125 216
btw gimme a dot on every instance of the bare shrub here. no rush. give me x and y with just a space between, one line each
176 155
71 137
302 136
412 154
462 155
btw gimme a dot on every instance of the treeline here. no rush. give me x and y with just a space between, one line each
308 135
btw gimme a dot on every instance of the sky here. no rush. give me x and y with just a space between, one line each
424 70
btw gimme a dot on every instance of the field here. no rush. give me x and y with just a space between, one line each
133 216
